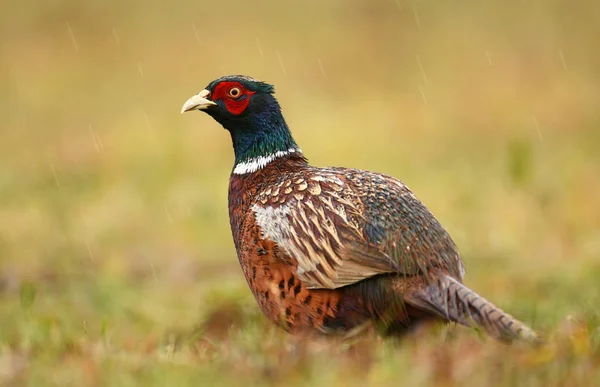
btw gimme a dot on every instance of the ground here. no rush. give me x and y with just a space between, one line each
116 260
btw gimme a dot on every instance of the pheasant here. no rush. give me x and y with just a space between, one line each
334 250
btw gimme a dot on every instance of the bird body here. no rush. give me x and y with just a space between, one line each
334 249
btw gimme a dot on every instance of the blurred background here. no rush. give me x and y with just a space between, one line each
116 258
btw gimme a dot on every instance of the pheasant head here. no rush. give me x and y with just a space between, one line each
247 108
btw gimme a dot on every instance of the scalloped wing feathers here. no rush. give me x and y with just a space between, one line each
342 226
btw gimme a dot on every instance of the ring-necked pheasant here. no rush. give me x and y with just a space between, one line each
334 249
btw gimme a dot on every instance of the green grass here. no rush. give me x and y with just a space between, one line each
116 261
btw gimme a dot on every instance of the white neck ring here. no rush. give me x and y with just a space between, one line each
254 164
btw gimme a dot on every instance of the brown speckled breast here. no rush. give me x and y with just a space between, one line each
283 297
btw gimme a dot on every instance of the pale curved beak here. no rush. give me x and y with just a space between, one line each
197 102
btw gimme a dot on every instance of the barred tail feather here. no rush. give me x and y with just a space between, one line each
451 300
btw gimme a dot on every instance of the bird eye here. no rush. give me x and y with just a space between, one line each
235 92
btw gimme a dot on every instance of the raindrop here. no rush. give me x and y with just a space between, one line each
89 250
116 36
281 63
414 7
488 56
562 58
168 213
423 94
260 50
153 271
97 142
322 68
196 34
55 175
72 37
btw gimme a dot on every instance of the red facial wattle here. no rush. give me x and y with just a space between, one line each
235 105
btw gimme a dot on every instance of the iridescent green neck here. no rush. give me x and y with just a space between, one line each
261 137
